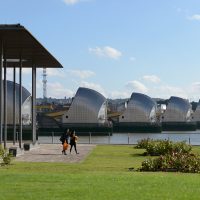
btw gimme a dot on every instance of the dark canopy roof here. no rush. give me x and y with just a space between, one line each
18 41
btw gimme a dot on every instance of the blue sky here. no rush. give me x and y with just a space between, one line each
115 46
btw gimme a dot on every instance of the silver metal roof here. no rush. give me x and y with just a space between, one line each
140 108
88 106
178 110
196 115
26 102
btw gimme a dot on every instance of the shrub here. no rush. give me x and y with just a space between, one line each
151 165
147 165
173 156
180 162
181 147
163 147
5 156
159 147
142 144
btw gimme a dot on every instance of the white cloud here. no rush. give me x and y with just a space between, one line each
54 90
195 17
196 86
26 74
26 71
119 94
106 51
71 2
39 84
93 86
81 73
9 74
56 72
158 91
151 78
137 86
166 91
194 91
52 72
57 90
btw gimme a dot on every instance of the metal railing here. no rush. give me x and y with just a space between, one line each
124 138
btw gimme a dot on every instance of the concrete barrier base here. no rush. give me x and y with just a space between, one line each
29 146
16 151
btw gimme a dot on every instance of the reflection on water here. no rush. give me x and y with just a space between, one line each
192 137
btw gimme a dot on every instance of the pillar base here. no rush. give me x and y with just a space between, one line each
16 151
29 146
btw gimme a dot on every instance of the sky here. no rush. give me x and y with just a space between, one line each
115 47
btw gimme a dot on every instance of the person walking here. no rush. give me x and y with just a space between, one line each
73 141
64 139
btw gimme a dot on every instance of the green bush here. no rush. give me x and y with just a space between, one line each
180 162
159 147
181 147
173 156
5 156
163 147
142 144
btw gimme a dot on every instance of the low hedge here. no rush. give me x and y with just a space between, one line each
173 156
178 162
163 147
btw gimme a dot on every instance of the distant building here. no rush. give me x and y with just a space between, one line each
196 115
178 110
140 108
26 104
88 106
121 107
64 101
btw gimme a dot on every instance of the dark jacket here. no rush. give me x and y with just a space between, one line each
73 139
64 138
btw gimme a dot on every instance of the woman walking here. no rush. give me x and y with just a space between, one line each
73 141
64 139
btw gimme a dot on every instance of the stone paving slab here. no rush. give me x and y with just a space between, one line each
53 153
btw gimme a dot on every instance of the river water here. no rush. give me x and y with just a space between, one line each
191 137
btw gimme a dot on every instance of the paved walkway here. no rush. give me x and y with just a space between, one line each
52 153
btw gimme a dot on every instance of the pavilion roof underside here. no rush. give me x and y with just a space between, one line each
18 43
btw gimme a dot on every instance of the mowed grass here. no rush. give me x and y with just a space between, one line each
103 175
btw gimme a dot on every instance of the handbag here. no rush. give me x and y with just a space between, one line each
65 145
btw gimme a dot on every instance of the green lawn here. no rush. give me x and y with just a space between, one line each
103 175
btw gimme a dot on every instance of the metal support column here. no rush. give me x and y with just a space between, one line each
14 105
20 104
1 91
5 103
33 104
